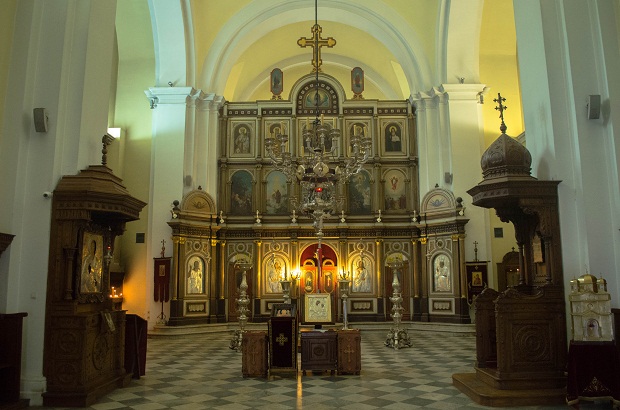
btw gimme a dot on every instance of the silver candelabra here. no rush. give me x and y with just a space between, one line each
242 306
343 285
397 337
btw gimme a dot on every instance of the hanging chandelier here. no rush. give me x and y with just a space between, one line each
318 170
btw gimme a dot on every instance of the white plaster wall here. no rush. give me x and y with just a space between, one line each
166 182
577 57
48 68
465 142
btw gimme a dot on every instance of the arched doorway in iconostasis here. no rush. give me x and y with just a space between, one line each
319 275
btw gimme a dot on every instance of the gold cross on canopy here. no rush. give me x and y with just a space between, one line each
500 100
316 42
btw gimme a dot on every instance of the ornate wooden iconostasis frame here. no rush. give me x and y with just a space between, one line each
381 217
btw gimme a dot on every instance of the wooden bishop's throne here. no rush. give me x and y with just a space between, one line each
520 332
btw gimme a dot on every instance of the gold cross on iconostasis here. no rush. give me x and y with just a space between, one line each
316 42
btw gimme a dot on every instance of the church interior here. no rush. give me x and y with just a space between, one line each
315 169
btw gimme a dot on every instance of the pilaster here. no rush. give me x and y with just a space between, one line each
205 154
169 126
466 142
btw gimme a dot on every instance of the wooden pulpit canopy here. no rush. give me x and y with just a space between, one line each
96 190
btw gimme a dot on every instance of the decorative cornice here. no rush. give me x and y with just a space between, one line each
358 111
501 192
276 112
209 101
247 112
392 111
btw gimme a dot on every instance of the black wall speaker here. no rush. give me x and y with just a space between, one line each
594 107
40 119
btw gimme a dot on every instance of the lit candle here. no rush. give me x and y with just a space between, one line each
365 131
257 213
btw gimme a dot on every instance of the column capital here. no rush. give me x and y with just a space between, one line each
210 101
463 92
170 95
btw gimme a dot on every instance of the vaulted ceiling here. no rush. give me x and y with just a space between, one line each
230 47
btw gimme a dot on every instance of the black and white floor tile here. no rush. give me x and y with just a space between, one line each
199 371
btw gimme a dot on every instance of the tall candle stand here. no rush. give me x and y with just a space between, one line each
343 285
295 274
286 289
397 337
242 306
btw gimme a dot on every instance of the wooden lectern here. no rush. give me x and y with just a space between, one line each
283 337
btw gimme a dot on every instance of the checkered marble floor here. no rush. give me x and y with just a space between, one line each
199 371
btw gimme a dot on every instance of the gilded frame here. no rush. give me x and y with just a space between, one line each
242 139
91 266
318 308
396 145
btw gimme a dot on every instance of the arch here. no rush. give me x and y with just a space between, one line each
438 202
395 256
276 268
276 193
459 45
259 18
261 81
172 26
198 201
394 190
241 193
308 252
359 193
441 272
310 79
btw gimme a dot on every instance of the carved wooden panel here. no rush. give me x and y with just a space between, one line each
86 357
349 351
254 354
